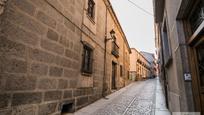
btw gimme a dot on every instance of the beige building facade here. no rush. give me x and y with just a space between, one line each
55 57
179 26
139 66
117 54
152 63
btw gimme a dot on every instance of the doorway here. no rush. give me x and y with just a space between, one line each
114 70
194 31
199 54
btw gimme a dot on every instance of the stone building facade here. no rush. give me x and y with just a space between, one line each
117 54
152 66
52 55
179 26
139 65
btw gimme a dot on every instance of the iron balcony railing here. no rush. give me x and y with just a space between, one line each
115 49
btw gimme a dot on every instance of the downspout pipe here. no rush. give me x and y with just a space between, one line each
105 55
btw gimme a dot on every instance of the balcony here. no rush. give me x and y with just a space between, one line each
115 49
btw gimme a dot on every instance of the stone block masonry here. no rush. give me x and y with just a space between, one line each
41 56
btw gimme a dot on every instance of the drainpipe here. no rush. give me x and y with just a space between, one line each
105 50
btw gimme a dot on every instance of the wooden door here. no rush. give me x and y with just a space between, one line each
200 61
199 65
113 86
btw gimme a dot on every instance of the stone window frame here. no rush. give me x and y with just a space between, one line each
87 60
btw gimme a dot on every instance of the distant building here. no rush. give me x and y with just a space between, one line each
151 59
139 66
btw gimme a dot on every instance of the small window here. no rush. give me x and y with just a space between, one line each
91 8
87 60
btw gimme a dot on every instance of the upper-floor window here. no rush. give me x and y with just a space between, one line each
87 61
91 8
197 16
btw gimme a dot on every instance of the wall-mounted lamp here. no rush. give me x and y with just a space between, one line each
112 34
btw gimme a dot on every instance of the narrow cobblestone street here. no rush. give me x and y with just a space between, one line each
139 98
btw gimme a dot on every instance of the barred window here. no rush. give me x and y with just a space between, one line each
91 8
87 60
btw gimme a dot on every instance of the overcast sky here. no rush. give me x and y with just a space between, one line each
137 25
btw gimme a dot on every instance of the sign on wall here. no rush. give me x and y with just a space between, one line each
187 77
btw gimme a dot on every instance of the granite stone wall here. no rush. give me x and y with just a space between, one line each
41 55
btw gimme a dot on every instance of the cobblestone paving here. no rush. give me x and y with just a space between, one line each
137 100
